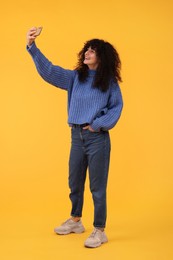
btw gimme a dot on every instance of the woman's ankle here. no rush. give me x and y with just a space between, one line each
75 219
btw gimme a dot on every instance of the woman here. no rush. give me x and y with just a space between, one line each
94 107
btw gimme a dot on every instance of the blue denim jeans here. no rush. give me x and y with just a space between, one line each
89 150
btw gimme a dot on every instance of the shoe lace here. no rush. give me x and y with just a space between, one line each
66 221
94 233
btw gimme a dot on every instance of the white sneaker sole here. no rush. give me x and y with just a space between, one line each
66 232
92 245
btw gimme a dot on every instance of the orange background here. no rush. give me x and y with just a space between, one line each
35 137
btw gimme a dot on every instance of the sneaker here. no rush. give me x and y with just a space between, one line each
70 226
96 238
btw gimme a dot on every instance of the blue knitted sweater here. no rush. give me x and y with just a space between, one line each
86 104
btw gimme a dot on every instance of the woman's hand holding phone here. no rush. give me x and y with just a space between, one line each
32 34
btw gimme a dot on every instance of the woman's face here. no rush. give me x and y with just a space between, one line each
91 59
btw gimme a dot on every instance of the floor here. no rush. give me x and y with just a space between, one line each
29 236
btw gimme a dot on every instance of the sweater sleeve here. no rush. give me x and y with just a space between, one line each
55 75
112 112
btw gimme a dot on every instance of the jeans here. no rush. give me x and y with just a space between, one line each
89 150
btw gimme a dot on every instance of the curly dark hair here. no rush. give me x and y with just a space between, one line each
109 64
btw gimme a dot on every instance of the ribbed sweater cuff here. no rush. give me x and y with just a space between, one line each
32 49
95 126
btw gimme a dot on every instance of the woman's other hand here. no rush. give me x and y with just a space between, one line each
88 127
30 36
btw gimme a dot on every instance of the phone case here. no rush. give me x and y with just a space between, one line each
39 29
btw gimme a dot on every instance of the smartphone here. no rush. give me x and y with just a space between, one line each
38 31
